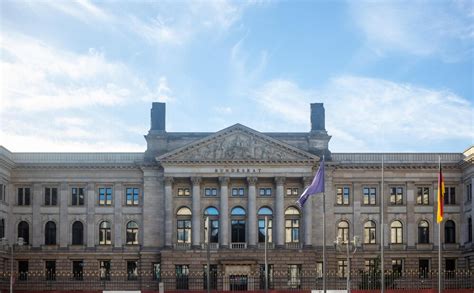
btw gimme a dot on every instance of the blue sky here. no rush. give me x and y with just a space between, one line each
394 76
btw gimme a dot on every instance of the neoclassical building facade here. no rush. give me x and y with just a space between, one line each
148 213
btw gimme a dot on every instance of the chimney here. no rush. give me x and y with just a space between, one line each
317 117
158 115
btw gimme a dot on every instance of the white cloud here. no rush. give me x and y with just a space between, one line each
367 114
82 10
417 27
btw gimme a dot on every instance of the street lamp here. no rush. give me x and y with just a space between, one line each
355 243
19 243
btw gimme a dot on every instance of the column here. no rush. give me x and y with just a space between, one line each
279 212
252 211
224 212
118 199
37 224
308 214
91 227
168 211
63 216
196 217
412 227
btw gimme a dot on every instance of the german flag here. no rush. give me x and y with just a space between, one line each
440 213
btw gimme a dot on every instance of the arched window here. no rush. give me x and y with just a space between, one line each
2 226
449 232
105 234
238 225
369 232
396 232
423 232
24 232
292 225
50 233
77 233
265 212
183 221
343 231
132 233
213 215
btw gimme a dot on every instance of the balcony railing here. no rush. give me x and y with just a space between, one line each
182 246
212 246
238 245
293 245
270 245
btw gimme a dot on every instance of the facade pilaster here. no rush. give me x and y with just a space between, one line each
411 220
118 199
168 211
91 227
63 216
10 224
280 212
224 212
37 223
153 201
307 214
196 217
252 211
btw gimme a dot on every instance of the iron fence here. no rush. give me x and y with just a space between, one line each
359 280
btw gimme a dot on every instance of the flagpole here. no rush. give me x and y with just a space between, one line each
324 238
266 261
439 225
382 275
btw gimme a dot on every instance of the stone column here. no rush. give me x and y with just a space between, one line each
63 216
153 201
224 212
37 223
280 212
118 199
91 227
196 217
169 211
252 211
308 215
412 227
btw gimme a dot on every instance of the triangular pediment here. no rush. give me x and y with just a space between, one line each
238 143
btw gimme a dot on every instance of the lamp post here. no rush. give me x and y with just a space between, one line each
355 242
19 243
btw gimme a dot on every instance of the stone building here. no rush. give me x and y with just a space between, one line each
146 212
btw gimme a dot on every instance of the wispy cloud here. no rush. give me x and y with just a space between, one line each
445 28
83 10
368 114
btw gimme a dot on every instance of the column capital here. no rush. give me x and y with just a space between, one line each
280 180
169 180
196 180
252 180
224 180
307 181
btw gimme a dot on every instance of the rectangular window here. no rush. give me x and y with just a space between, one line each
24 196
450 195
342 268
423 196
22 270
77 270
369 195
212 277
2 192
292 191
292 231
370 265
184 192
396 195
342 195
77 196
397 267
105 196
294 276
104 270
132 270
182 277
269 276
184 231
238 191
265 192
156 271
450 264
261 231
423 267
469 192
319 270
210 191
50 196
50 270
132 195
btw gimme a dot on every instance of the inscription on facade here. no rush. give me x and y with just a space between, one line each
237 170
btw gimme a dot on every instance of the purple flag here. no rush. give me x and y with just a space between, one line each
316 186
